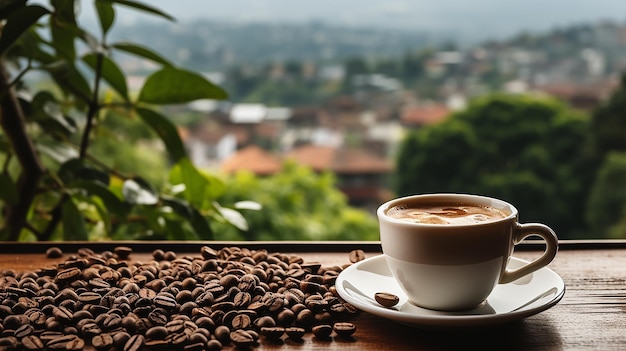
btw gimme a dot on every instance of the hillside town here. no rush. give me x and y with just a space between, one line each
355 133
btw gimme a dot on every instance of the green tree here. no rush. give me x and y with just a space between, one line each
606 209
608 124
53 184
297 204
527 150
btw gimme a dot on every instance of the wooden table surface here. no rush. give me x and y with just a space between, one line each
591 316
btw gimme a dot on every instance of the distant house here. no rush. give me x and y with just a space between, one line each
253 159
424 114
582 96
361 176
223 132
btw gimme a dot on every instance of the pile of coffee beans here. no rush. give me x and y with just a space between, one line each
231 296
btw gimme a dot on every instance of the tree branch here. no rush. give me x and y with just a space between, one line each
13 123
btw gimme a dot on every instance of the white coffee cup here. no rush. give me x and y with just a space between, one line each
455 265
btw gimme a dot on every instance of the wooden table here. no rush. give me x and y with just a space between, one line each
591 316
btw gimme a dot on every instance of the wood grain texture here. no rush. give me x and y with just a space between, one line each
591 316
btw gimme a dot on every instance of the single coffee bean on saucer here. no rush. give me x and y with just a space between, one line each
386 299
356 256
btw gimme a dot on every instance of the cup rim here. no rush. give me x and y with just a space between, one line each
380 212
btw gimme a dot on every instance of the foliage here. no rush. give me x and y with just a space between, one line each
53 184
608 123
527 150
606 210
298 204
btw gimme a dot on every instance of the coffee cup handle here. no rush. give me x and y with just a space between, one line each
522 231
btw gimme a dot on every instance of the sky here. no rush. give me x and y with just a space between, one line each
491 18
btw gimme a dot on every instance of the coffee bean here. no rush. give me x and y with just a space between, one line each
75 344
386 299
54 252
286 317
199 336
23 331
158 332
208 253
275 302
89 297
62 314
344 329
158 316
356 256
60 342
322 331
90 329
9 342
240 321
222 333
295 333
165 302
242 338
273 333
242 299
120 339
32 342
169 256
134 343
194 347
123 252
158 254
68 274
175 326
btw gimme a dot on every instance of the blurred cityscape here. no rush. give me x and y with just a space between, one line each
340 99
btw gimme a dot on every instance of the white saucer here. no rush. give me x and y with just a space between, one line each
524 297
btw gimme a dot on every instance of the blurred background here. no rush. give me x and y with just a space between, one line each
337 106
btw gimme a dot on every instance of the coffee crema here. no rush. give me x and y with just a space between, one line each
445 213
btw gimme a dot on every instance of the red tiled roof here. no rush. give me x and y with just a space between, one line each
318 158
339 160
425 114
253 159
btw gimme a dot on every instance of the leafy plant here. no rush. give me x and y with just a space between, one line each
298 204
528 150
51 185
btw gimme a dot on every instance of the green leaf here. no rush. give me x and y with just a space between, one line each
106 14
233 217
192 215
63 35
110 72
248 205
172 85
143 7
141 51
70 79
7 7
47 113
18 23
167 132
74 228
78 169
113 204
200 189
8 189
58 151
30 46
138 192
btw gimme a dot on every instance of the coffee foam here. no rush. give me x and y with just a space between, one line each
445 214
